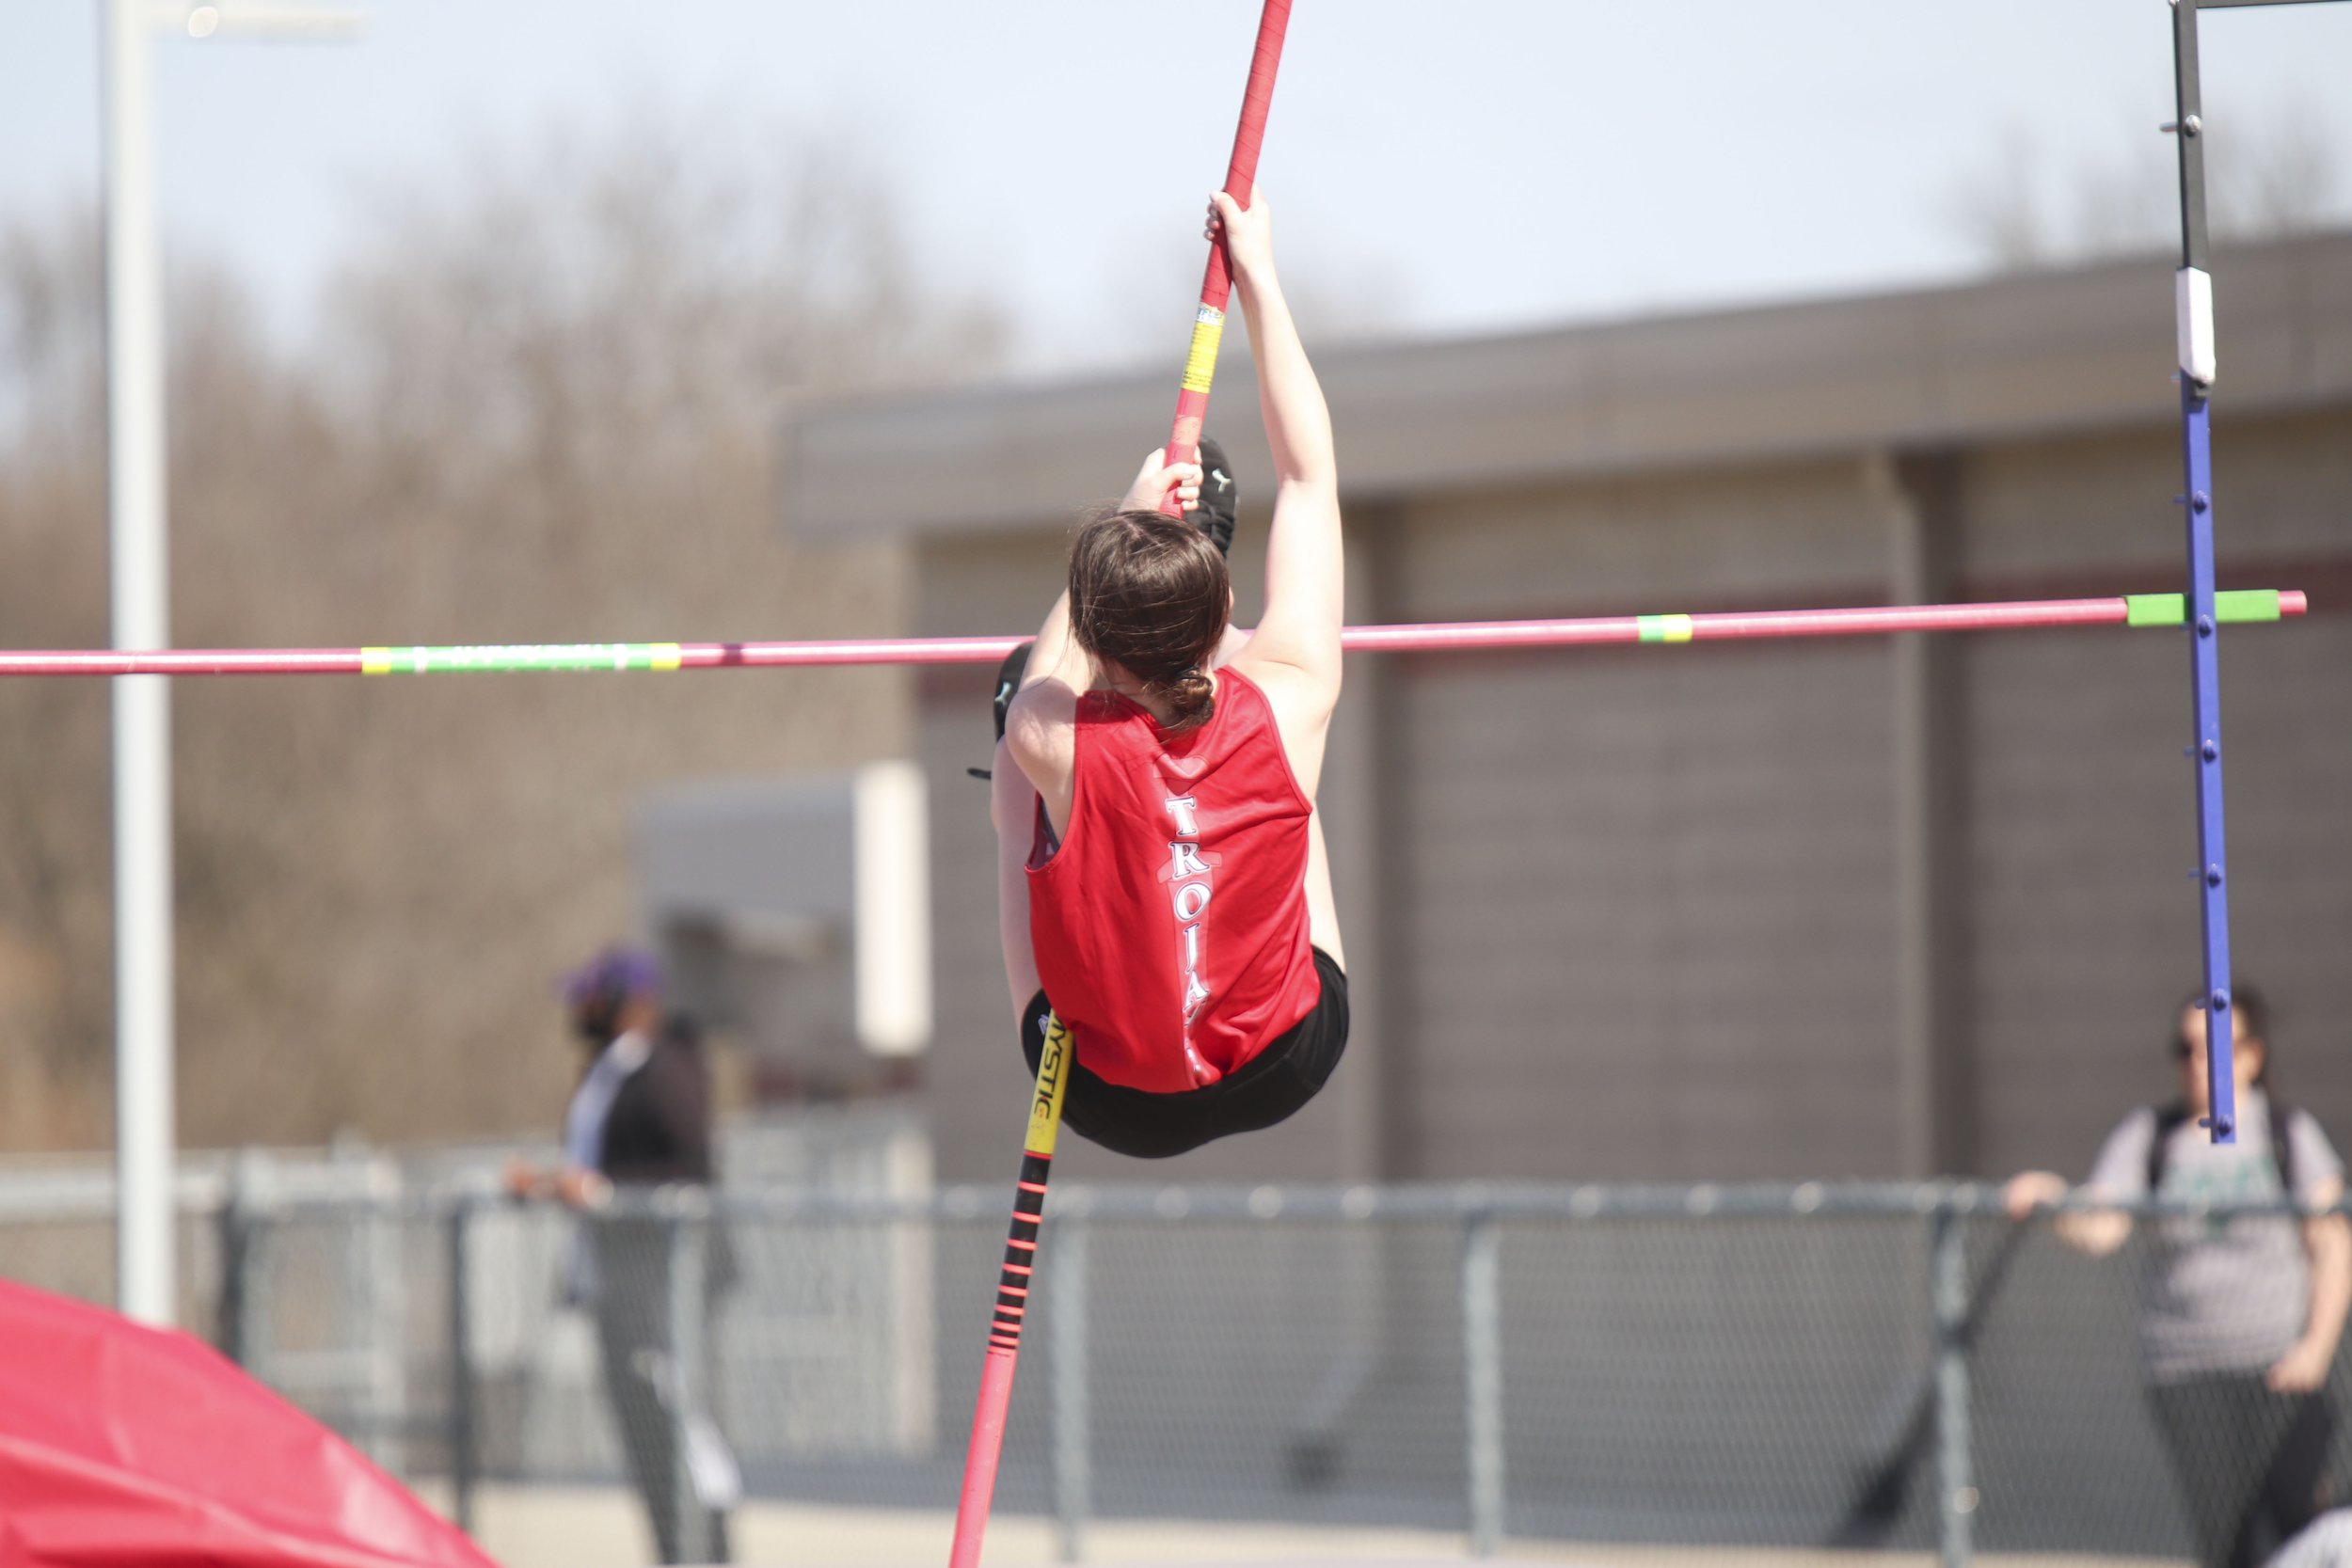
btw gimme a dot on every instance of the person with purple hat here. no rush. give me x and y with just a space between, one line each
640 1117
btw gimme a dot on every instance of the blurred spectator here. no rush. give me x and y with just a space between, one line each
640 1118
2327 1544
2241 1314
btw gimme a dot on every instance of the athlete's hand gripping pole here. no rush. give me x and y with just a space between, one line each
1015 1288
1216 288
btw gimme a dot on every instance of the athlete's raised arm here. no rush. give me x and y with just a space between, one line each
1056 655
1305 586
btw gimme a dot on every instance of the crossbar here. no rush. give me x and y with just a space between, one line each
2136 610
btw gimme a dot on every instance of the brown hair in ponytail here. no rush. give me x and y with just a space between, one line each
1150 594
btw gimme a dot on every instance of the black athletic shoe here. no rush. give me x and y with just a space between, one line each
1008 684
1219 500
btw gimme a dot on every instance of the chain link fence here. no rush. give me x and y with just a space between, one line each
1723 1370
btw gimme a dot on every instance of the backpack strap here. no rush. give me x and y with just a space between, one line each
2282 1146
2169 1119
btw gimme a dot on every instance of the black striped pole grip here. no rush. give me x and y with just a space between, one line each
1016 1288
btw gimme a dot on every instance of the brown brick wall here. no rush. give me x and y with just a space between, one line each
1636 909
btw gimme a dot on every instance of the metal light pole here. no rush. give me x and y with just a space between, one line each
140 609
142 703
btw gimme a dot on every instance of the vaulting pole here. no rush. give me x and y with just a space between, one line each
1217 285
1016 1287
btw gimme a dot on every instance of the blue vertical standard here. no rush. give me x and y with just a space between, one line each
2193 311
2193 305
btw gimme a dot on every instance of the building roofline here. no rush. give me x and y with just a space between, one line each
2035 355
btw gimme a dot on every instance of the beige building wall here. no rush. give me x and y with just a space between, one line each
2082 808
1796 909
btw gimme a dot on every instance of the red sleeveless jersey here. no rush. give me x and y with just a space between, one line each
1171 926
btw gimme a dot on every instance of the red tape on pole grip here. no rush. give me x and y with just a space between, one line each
1217 285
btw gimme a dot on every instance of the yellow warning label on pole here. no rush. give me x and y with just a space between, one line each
1208 328
1053 1082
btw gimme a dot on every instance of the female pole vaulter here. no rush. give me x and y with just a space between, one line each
1137 686
1163 886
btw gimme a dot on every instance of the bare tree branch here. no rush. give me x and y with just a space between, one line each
541 409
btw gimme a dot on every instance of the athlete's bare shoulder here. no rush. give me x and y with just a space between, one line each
1298 699
1041 731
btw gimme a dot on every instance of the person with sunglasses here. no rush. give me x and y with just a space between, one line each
2241 1313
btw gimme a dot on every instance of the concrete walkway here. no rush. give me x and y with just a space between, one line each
587 1526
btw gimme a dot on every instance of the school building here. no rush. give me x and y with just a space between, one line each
1757 911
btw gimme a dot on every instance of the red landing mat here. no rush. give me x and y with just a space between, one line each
125 1445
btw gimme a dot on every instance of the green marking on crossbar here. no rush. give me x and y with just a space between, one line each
2172 609
1662 628
518 657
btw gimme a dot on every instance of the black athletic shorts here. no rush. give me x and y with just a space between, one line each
1269 1087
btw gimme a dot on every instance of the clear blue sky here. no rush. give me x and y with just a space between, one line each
1487 163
